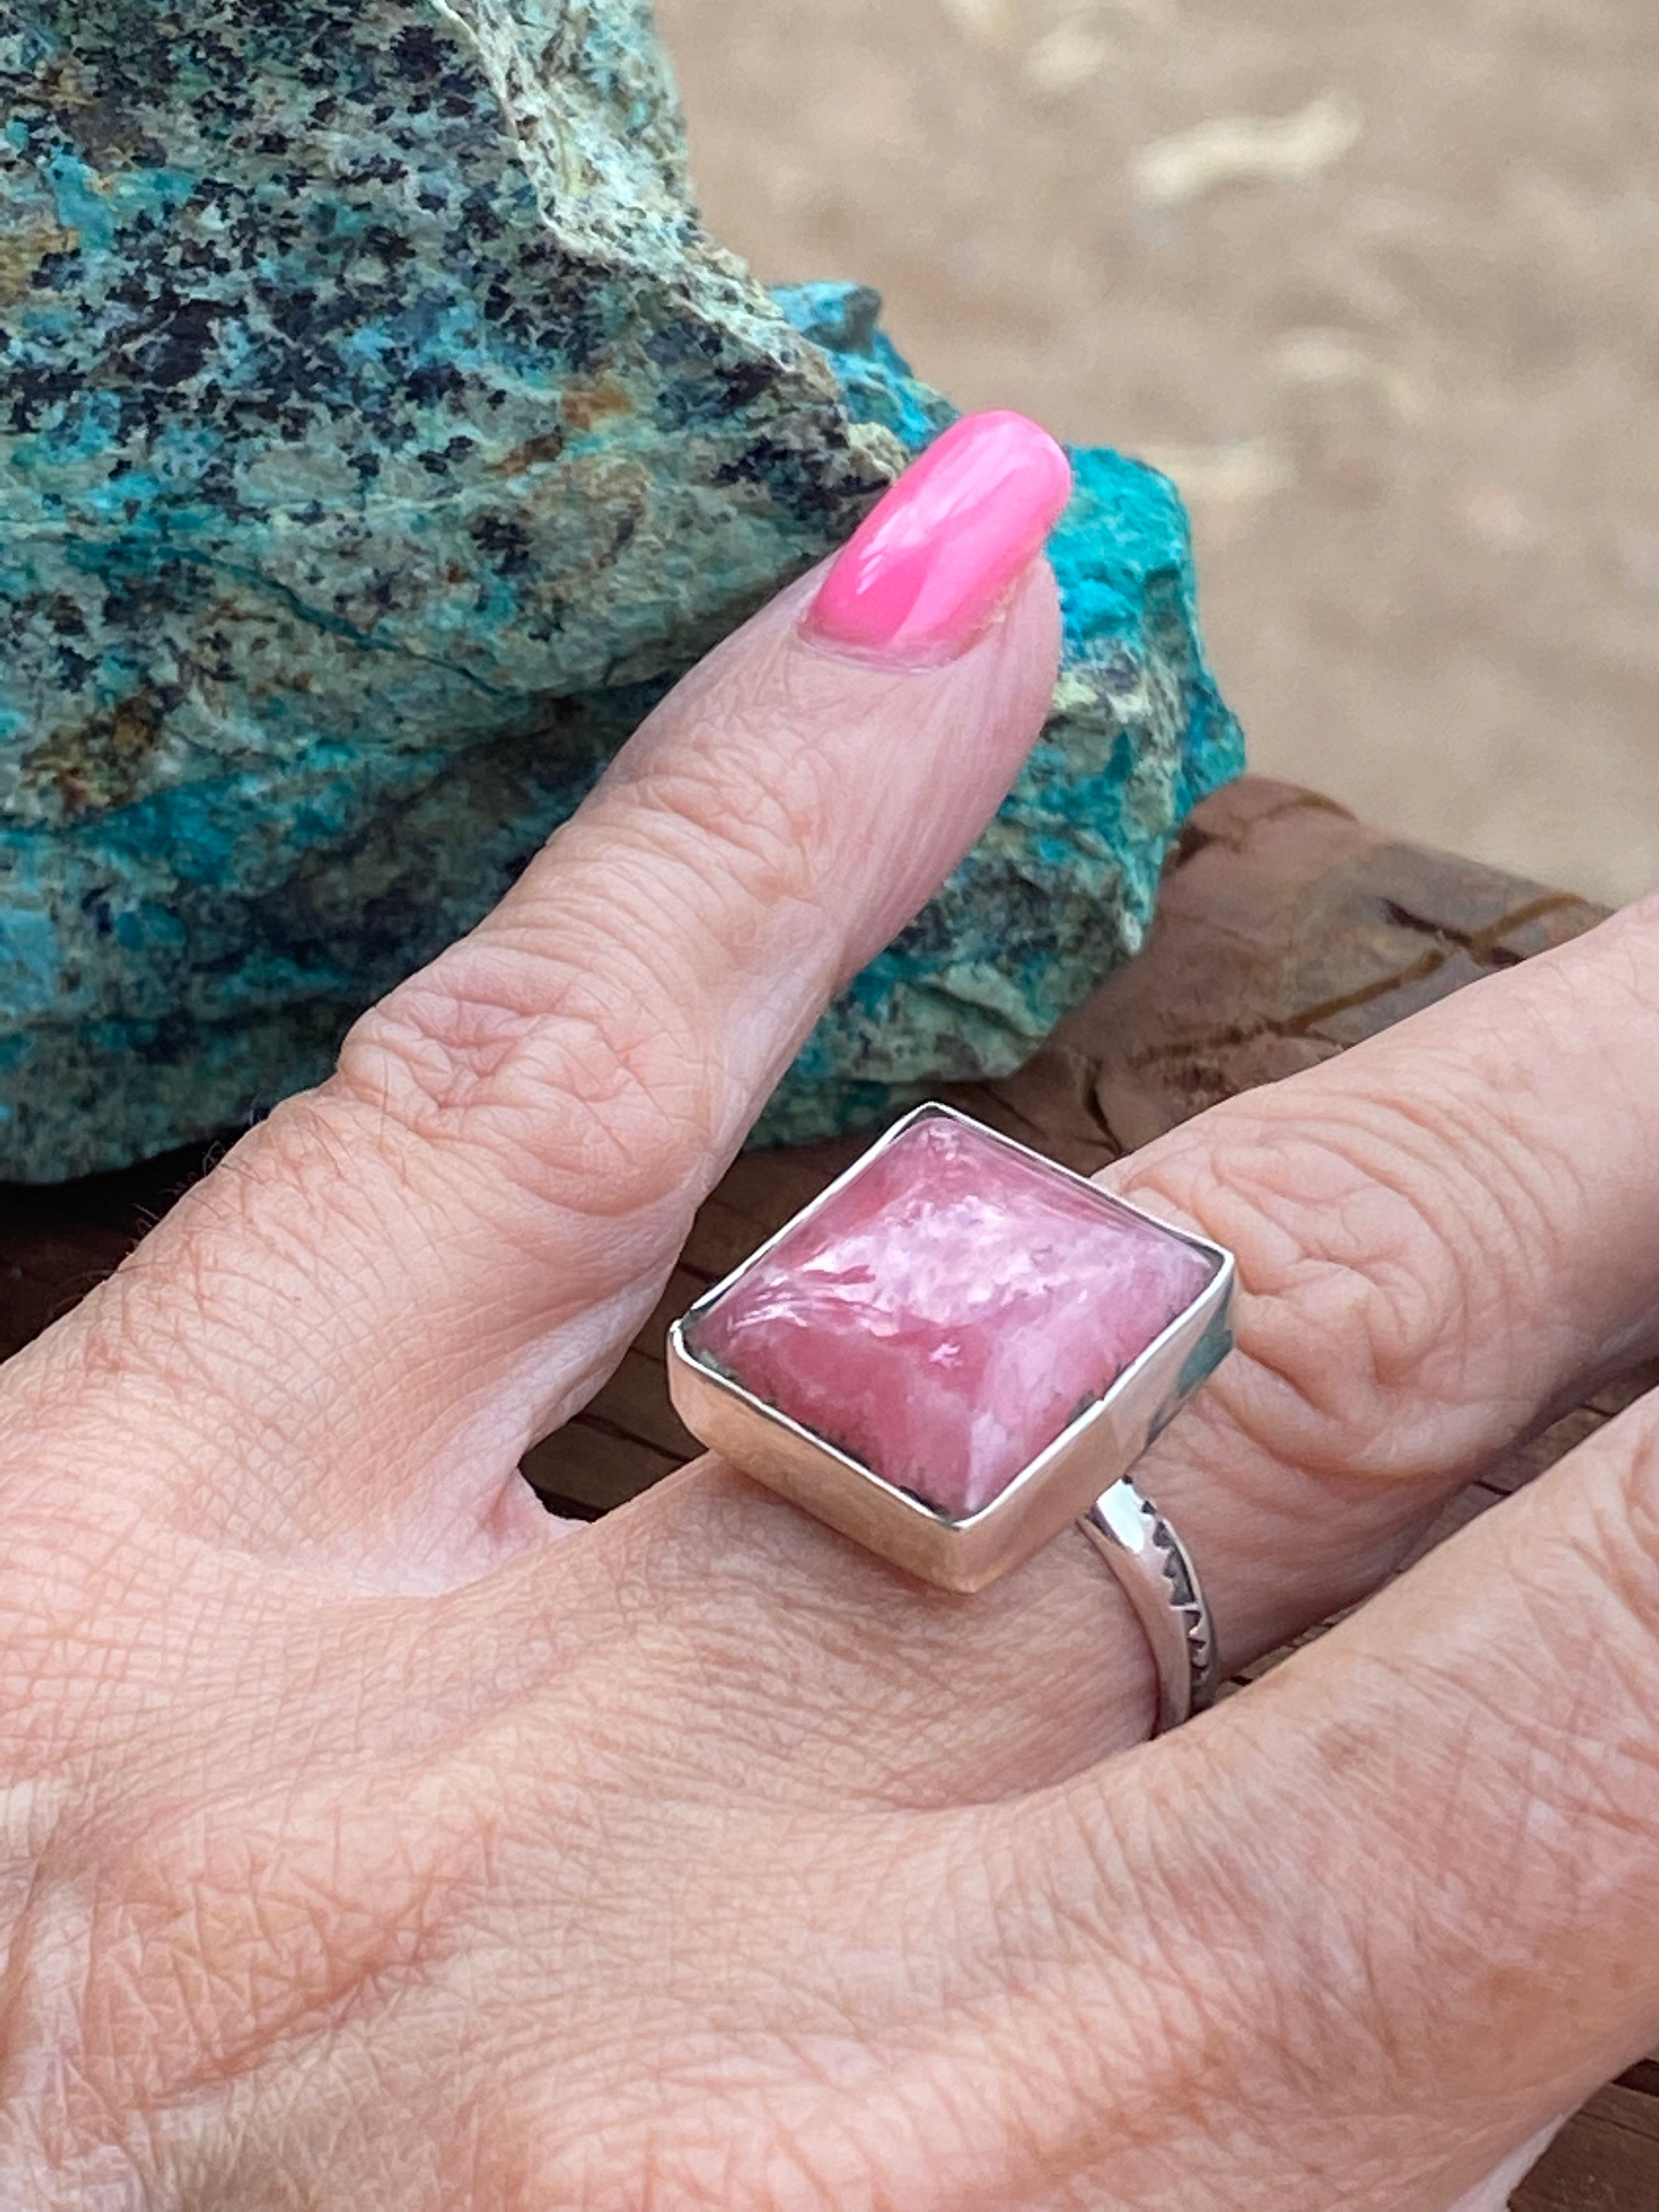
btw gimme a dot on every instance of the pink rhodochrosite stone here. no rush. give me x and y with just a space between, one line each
949 1312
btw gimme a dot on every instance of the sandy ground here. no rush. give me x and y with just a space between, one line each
1401 349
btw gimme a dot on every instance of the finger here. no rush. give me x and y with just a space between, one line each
1403 1895
404 1278
1446 1238
1441 1237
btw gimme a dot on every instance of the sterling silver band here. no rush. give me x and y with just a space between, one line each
1160 1581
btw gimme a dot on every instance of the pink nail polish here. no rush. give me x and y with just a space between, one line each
925 571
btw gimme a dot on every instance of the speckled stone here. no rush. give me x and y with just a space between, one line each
379 434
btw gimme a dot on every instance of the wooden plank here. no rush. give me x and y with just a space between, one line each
1605 2160
1286 932
590 1468
634 1403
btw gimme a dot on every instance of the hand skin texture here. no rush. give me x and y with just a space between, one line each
370 1839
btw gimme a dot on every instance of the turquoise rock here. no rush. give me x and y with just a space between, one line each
380 433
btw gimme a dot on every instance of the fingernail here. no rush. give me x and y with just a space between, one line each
925 572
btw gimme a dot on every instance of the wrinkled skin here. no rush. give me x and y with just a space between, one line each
370 1839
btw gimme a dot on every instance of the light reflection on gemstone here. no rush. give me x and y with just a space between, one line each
949 1312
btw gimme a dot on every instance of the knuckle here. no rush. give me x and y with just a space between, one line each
581 1083
1379 1246
574 1043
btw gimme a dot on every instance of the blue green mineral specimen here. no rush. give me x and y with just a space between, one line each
379 434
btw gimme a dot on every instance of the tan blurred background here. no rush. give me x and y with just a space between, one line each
1377 281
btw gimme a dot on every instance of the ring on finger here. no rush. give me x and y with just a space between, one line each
956 1349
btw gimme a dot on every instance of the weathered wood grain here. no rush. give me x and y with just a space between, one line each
1606 2160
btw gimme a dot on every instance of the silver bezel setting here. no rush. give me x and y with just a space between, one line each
1061 1484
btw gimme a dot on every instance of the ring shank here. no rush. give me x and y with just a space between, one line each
1160 1581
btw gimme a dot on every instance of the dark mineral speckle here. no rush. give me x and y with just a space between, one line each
380 434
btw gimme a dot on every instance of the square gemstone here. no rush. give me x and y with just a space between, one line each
950 1311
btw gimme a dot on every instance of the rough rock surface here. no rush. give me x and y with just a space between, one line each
378 434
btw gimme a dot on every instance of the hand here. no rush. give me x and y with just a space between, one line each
370 1839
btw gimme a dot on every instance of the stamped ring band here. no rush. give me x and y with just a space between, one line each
1160 1581
956 1349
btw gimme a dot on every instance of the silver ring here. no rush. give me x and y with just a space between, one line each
956 1349
1161 1582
